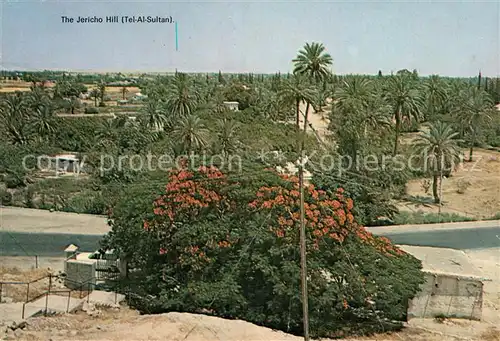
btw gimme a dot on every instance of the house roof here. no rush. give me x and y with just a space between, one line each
71 248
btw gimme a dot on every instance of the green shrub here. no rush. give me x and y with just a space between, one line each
91 110
29 194
403 218
89 202
5 198
14 181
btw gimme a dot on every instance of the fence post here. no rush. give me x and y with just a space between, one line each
28 293
1 287
24 304
47 294
36 262
46 302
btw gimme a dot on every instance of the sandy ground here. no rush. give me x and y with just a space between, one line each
125 324
23 263
19 219
319 121
13 89
20 292
473 189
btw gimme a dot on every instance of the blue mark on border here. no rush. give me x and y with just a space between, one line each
176 37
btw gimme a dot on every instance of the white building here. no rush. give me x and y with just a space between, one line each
232 105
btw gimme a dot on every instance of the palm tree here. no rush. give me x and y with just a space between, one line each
376 115
353 95
44 123
107 135
95 94
320 100
435 93
182 97
439 148
14 117
153 116
227 137
192 133
474 112
405 101
213 101
296 91
124 91
102 90
273 106
356 112
312 62
71 104
38 98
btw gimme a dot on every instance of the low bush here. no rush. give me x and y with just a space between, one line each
91 110
404 218
5 197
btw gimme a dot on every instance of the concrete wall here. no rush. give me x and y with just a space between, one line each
448 295
79 272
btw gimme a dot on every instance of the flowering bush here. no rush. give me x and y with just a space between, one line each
230 245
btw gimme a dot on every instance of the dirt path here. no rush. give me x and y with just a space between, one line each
473 189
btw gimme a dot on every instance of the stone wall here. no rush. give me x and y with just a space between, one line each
449 295
79 272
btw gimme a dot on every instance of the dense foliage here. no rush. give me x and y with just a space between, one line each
228 245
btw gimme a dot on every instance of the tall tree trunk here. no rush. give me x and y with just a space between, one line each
396 140
471 149
435 192
297 118
306 115
189 146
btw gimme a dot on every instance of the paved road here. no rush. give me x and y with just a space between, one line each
462 236
44 244
17 219
30 232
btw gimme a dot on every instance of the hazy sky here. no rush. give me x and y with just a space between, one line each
447 38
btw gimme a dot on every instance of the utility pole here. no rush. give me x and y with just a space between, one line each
440 186
303 249
303 259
